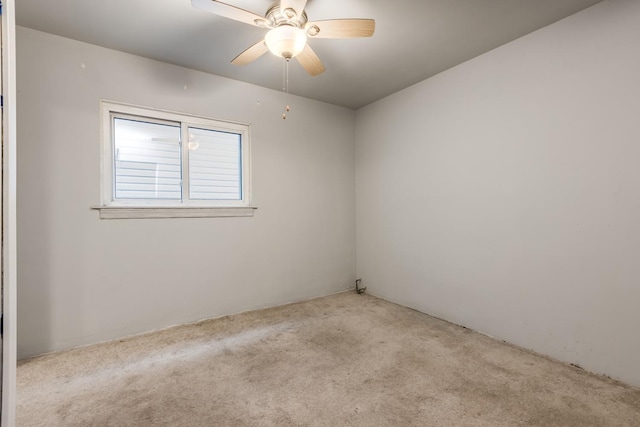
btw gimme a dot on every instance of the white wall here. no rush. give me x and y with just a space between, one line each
84 280
504 194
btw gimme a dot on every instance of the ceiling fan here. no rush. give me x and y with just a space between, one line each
289 30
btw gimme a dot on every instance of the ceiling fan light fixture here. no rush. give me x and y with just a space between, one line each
286 41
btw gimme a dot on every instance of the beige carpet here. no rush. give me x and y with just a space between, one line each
343 360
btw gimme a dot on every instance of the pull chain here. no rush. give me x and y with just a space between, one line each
285 87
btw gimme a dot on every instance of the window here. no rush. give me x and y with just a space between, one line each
162 164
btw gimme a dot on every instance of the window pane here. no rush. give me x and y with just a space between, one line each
147 160
215 165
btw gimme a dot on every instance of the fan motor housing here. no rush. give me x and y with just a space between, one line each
277 17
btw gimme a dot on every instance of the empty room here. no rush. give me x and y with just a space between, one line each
325 213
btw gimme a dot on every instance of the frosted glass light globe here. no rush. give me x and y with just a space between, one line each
286 41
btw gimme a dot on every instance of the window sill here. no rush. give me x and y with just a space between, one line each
135 212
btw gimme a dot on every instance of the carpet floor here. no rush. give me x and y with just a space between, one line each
342 360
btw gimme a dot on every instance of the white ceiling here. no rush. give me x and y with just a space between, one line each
414 39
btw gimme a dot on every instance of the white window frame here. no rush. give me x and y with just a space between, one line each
110 208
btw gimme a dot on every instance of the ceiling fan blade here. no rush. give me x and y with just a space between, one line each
231 12
341 28
251 54
310 61
297 5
